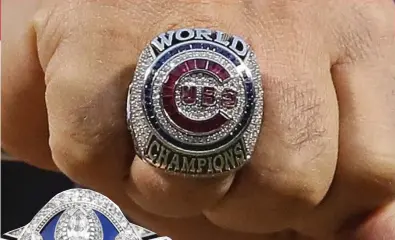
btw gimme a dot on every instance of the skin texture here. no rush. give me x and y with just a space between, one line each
324 164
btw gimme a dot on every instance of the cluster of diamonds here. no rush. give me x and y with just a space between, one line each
127 235
235 83
251 134
135 115
29 235
78 205
16 233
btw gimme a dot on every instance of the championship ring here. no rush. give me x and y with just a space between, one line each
195 105
81 214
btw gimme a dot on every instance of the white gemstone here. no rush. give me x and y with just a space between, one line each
15 233
79 224
32 236
143 232
128 235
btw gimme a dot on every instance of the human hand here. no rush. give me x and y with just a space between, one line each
324 164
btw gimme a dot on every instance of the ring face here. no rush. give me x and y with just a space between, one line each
195 104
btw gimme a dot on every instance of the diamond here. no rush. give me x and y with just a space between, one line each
32 236
143 232
15 233
127 235
79 224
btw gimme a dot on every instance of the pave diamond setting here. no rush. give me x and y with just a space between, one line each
127 235
195 105
78 220
196 111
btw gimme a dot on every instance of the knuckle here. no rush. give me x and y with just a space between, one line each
370 29
301 119
90 25
81 115
306 190
375 20
206 20
70 159
51 25
302 125
206 14
301 191
87 125
88 164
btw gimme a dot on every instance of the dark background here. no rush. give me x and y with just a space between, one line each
24 191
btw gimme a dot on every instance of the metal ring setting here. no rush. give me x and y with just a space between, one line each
84 215
195 105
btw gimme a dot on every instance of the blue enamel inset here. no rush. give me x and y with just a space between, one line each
48 232
109 230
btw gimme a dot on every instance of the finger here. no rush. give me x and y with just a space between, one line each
294 161
87 76
24 124
174 196
295 158
171 195
365 86
192 228
379 226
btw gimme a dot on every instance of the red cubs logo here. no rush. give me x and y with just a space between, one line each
227 98
195 96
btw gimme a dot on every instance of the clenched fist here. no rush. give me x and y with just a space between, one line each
324 164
